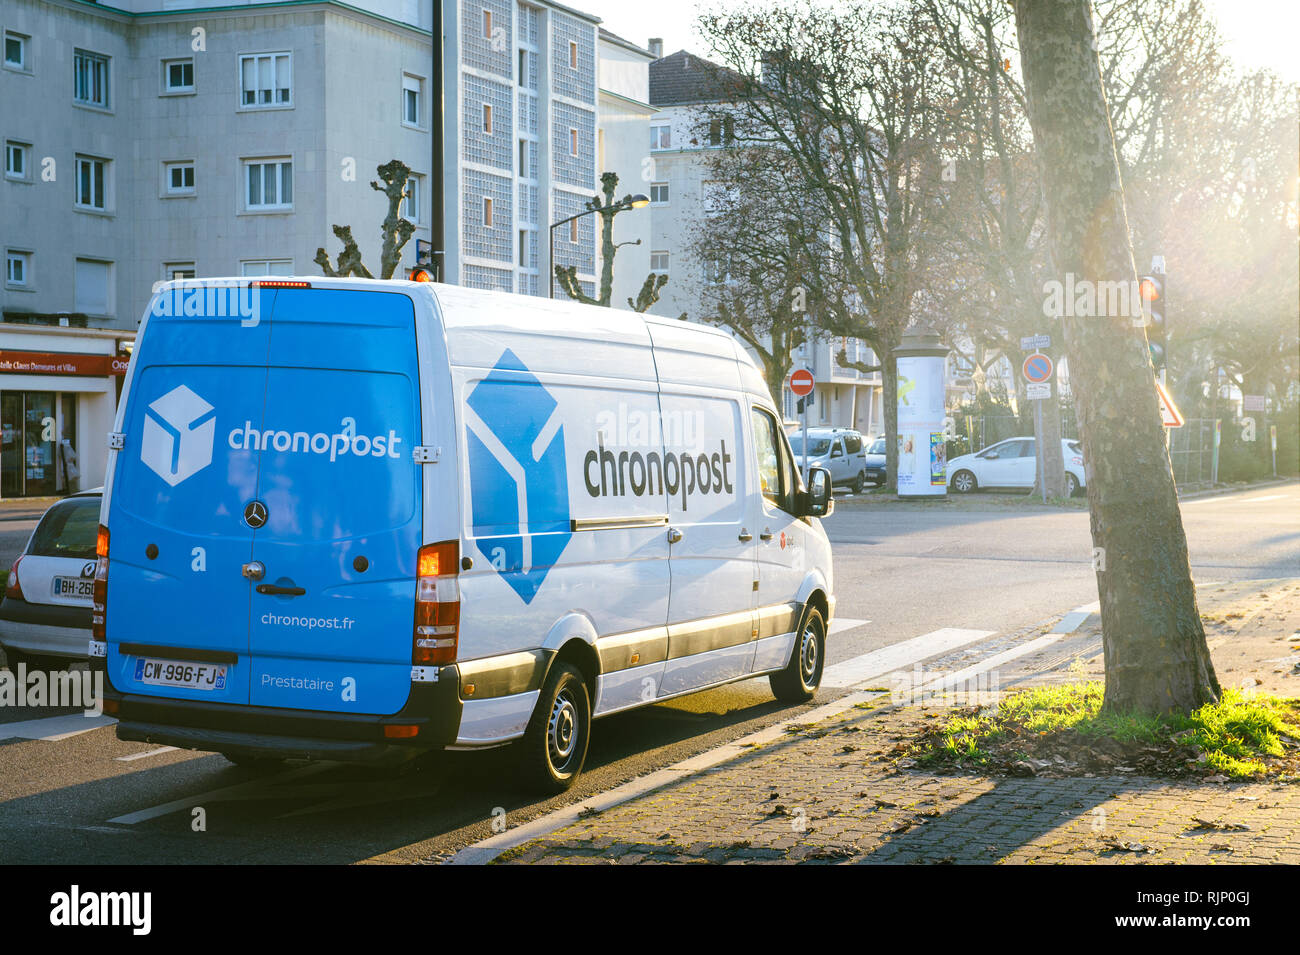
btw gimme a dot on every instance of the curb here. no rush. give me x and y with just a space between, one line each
1234 489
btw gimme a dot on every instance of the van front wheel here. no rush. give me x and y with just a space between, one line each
555 743
798 682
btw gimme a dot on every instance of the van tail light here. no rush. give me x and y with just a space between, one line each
1077 461
99 600
12 587
437 604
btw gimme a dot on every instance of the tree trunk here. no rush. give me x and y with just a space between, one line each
1155 653
889 390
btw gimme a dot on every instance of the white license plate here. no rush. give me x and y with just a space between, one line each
78 588
194 676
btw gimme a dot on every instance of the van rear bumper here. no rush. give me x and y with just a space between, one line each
435 708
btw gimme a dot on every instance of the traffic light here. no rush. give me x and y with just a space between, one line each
1154 291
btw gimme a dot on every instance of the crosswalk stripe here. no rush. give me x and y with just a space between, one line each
840 624
52 728
899 656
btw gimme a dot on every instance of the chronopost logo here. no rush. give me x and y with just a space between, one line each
179 430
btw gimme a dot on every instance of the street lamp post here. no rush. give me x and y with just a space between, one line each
631 202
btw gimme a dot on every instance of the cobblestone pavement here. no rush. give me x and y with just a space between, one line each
831 793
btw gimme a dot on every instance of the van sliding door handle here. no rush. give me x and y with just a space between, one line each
674 535
281 591
766 535
745 536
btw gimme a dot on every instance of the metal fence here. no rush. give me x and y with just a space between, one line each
1191 451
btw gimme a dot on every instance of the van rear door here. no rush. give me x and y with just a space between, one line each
332 615
178 488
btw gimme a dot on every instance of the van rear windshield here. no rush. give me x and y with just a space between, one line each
68 530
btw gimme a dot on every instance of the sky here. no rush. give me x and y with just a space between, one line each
1259 33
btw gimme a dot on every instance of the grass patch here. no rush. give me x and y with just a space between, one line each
1061 730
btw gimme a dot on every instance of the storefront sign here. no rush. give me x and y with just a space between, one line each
61 363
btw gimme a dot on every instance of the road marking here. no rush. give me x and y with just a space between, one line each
53 728
1070 622
954 679
238 791
488 849
899 656
840 624
148 752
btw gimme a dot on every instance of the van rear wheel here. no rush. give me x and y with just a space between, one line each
554 746
799 681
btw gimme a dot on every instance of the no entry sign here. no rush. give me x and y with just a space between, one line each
801 382
1038 368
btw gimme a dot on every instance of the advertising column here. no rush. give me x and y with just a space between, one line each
922 453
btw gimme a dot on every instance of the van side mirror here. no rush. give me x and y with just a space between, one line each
815 501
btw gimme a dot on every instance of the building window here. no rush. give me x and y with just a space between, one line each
270 184
523 159
659 193
412 100
523 247
659 262
573 55
573 142
411 202
178 270
487 211
92 183
661 137
255 268
90 79
573 230
18 269
178 76
266 79
94 287
16 51
722 130
487 24
487 119
523 67
16 160
178 178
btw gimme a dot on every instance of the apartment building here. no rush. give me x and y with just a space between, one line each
690 94
155 139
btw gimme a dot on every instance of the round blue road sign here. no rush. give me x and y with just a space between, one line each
1038 368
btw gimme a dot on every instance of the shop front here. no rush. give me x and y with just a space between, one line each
58 398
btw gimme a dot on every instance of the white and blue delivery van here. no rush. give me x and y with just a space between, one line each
357 520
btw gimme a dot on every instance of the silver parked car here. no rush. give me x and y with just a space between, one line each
45 613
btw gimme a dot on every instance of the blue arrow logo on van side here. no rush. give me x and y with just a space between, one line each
519 490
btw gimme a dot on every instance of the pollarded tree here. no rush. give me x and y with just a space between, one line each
396 230
607 208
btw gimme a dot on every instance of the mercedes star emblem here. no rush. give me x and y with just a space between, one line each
255 514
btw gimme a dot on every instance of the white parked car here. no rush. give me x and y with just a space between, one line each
45 614
841 451
1012 463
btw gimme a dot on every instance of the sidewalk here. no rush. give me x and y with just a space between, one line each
841 791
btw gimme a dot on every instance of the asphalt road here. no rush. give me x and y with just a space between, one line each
990 562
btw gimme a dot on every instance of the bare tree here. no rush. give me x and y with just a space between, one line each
1155 652
844 91
607 208
396 230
